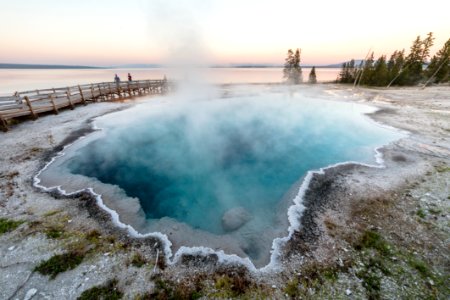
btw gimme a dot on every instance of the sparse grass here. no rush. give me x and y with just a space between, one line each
54 232
372 239
8 225
291 288
420 266
52 213
138 260
108 291
171 290
443 169
421 213
234 285
93 236
60 263
435 211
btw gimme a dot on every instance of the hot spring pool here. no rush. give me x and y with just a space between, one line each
218 172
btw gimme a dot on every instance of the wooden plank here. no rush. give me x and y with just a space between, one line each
10 106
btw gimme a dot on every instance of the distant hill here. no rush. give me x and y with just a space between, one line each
35 66
137 66
339 65
151 66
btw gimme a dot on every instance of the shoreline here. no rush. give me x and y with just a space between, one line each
311 228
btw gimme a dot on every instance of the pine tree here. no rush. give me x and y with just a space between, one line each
395 67
292 71
312 75
367 71
438 70
289 61
380 76
348 72
298 77
420 51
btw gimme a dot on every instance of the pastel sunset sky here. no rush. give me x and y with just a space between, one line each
112 32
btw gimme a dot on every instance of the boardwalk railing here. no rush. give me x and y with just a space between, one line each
32 103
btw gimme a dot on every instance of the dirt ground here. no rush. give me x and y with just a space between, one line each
366 233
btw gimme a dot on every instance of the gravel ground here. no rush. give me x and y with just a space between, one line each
376 233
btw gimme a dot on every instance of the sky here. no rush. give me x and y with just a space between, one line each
112 32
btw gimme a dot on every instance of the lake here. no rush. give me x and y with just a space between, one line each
12 80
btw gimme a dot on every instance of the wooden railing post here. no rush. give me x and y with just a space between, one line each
68 98
118 90
55 109
110 91
92 93
27 100
99 90
4 124
81 94
129 89
138 87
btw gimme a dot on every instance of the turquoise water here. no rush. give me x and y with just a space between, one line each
195 160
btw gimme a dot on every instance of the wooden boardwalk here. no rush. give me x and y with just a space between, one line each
33 103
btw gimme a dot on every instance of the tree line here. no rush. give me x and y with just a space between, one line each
401 69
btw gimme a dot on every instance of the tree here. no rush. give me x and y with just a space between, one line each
395 67
348 72
367 71
292 70
312 75
420 51
380 76
438 70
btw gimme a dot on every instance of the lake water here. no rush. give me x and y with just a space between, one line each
216 171
23 80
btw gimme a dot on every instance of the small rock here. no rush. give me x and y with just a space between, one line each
30 294
235 218
274 286
11 248
348 292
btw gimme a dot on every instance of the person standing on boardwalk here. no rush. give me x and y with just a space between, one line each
129 77
116 79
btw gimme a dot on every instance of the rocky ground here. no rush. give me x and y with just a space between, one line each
367 233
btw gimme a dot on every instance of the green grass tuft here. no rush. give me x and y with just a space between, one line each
60 263
421 213
138 260
107 291
372 239
420 266
443 169
291 288
8 225
54 233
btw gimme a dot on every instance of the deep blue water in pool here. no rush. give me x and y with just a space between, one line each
194 161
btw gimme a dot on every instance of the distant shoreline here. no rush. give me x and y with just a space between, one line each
31 66
143 66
